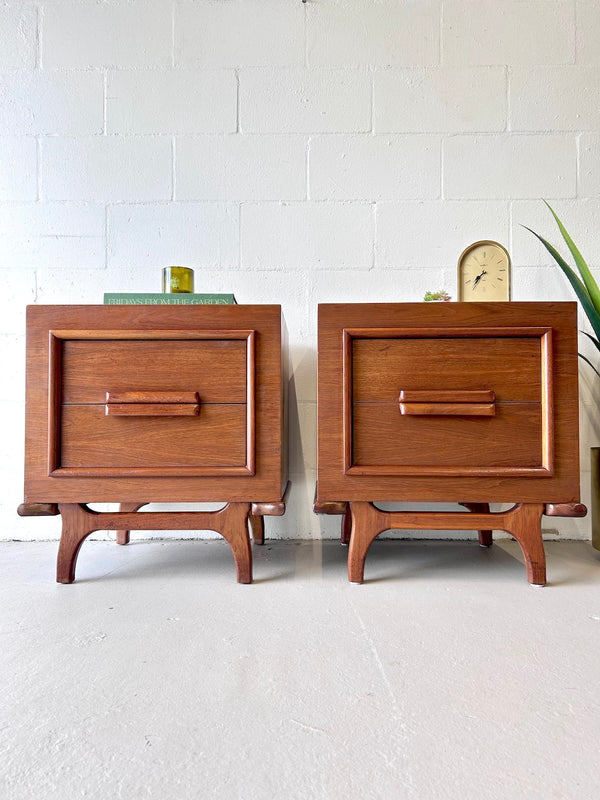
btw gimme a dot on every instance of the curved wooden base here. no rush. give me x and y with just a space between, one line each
258 510
346 527
37 510
257 525
123 535
78 521
257 528
335 508
485 536
342 508
523 521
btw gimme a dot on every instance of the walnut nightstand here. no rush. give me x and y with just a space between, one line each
473 403
141 404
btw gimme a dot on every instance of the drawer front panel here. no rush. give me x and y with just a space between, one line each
510 367
216 438
196 405
512 438
216 369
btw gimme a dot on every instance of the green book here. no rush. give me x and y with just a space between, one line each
160 299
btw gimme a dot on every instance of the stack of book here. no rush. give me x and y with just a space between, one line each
160 299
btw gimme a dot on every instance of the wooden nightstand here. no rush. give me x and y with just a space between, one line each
141 404
473 403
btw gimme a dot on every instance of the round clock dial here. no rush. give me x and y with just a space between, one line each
484 272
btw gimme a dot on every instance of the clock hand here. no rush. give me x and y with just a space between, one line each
478 278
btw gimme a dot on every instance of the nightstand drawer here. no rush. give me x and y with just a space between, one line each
511 438
427 404
214 368
508 366
140 405
216 437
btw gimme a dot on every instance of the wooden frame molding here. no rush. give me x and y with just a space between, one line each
544 334
56 337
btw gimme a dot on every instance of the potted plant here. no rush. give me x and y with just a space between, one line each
586 288
588 294
437 297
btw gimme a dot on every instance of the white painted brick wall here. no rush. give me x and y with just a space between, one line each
52 102
254 33
242 168
517 166
381 34
588 32
440 100
333 150
555 98
512 32
173 101
307 235
18 22
145 236
106 168
18 168
450 224
589 165
305 101
368 167
41 235
126 33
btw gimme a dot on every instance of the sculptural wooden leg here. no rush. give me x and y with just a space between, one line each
524 522
346 527
485 536
79 521
76 526
233 526
367 523
257 528
123 536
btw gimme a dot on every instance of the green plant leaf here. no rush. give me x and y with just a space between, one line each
591 338
579 287
584 271
587 361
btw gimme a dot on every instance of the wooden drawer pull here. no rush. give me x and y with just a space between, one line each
448 409
152 404
447 403
447 396
152 397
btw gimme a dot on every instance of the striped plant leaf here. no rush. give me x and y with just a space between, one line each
586 287
580 289
584 271
587 361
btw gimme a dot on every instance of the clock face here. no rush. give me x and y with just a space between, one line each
484 273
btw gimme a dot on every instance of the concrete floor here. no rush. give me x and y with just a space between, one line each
156 676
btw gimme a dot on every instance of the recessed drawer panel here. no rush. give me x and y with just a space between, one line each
216 369
512 438
90 439
508 366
